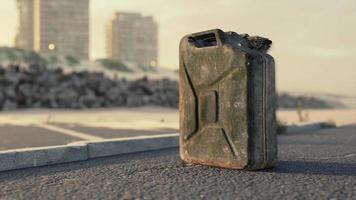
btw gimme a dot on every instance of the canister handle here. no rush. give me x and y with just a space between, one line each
209 38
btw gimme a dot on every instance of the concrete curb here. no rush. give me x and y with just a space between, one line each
79 151
41 156
307 127
131 145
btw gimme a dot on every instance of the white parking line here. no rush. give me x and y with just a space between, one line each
72 133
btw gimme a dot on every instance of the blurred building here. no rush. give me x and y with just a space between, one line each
132 37
24 37
60 26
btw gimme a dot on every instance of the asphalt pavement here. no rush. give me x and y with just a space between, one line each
13 137
40 135
318 165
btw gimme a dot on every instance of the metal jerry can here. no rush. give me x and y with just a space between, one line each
227 101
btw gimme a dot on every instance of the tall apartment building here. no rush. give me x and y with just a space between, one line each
133 38
24 37
60 26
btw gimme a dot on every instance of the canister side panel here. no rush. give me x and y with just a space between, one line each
216 77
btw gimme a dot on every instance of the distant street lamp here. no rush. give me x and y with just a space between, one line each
153 63
51 46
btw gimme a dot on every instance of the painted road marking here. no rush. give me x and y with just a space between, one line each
131 138
69 132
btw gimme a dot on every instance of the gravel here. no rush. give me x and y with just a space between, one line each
37 86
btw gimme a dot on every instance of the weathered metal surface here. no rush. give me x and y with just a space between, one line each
227 101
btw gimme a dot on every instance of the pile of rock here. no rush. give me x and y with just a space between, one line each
39 87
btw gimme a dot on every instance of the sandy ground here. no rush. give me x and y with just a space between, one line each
118 118
148 117
337 116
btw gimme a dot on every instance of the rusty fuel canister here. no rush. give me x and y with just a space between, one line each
227 101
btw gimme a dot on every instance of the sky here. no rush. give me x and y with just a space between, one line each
314 41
